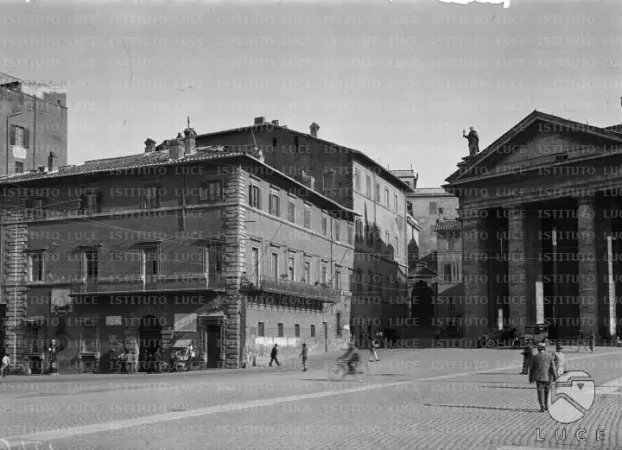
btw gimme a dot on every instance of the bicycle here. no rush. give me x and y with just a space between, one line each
339 370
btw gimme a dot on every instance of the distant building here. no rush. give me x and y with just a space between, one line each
449 305
34 116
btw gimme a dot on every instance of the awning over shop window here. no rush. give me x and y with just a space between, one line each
182 343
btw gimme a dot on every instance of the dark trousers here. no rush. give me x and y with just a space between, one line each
273 358
526 365
544 388
4 370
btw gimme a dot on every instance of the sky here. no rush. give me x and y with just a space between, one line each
399 80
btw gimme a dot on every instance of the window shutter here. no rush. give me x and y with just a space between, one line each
100 198
12 137
26 138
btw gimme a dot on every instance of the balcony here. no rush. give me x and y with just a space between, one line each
295 288
170 282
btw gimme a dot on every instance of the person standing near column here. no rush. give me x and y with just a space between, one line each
543 374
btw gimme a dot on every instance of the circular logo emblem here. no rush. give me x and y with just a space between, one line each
572 396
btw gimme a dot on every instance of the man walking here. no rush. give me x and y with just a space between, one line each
373 343
273 355
559 359
4 365
527 358
303 355
543 374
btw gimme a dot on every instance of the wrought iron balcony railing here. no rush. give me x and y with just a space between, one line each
296 288
151 283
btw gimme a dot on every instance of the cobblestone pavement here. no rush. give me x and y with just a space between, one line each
422 399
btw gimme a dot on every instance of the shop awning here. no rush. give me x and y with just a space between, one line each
182 343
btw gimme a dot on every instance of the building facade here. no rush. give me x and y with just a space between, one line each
449 304
540 217
33 124
355 181
170 248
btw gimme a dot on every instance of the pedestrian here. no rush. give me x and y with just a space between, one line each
123 361
149 363
131 362
592 342
373 344
527 358
303 354
559 360
4 365
157 361
582 342
543 373
273 355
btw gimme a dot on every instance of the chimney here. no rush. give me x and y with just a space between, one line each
275 122
314 127
52 156
190 141
176 148
260 120
149 145
307 180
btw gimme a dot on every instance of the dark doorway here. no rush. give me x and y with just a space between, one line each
150 339
423 304
214 346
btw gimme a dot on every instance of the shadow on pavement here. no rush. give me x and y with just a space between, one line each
493 408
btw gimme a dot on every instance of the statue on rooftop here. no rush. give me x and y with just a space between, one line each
473 139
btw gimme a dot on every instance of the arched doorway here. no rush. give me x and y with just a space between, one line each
423 305
150 337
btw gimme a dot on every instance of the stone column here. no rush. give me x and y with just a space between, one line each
15 232
588 266
474 273
234 229
524 265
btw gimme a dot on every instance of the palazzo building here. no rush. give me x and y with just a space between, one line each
172 247
541 215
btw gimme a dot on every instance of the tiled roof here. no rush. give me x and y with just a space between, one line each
358 153
403 173
119 164
431 191
448 225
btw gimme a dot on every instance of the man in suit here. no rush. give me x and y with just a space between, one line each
543 373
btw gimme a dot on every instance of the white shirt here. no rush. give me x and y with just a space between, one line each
559 359
6 360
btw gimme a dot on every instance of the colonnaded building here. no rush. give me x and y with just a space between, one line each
540 212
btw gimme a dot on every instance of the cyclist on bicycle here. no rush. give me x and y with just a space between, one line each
351 357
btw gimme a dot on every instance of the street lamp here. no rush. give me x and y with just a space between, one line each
8 144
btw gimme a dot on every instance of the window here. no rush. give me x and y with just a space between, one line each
254 196
36 266
351 280
386 198
151 261
296 143
261 329
151 197
337 283
213 259
36 207
210 191
350 235
450 243
395 203
324 225
91 264
397 245
307 272
274 265
290 269
274 142
377 191
357 180
337 232
432 208
296 330
20 136
370 234
255 265
91 201
274 201
312 330
452 305
324 277
368 186
387 238
307 222
338 324
291 211
280 327
440 211
19 167
359 230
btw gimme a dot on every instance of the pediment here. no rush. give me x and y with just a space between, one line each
540 140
